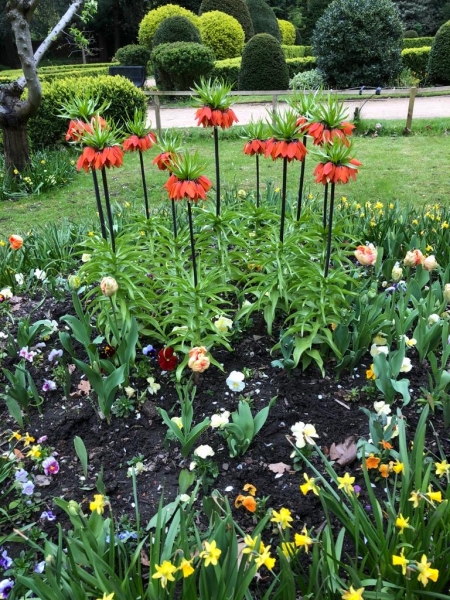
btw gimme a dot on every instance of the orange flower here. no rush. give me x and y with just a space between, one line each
210 117
198 361
16 242
90 158
322 134
372 462
293 150
331 173
384 470
386 445
187 188
164 160
135 142
247 502
303 123
251 489
253 147
76 129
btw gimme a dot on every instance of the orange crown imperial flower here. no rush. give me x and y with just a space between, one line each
336 164
186 180
285 139
327 122
170 145
214 103
134 143
294 150
140 138
214 117
256 134
102 147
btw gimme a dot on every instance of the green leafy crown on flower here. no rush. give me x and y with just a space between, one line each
215 94
169 141
256 130
283 126
187 166
137 125
304 103
336 152
83 108
101 136
330 111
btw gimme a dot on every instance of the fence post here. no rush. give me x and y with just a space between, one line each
412 96
274 105
158 115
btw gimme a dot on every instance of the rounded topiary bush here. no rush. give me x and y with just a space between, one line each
133 54
154 18
180 65
359 42
263 18
222 33
439 64
45 129
288 33
411 33
263 65
235 8
176 29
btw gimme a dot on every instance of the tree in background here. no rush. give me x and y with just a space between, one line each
312 11
424 16
15 108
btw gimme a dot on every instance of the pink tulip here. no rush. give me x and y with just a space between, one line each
366 255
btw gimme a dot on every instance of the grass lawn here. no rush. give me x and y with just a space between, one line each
408 169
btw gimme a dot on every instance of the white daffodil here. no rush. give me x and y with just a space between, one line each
406 365
223 324
304 433
381 408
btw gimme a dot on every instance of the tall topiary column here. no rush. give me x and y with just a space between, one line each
263 65
439 63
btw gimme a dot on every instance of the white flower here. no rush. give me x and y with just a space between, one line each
153 387
182 330
397 272
410 342
192 465
129 391
220 420
40 275
433 318
6 293
204 451
303 434
177 421
406 365
185 497
85 257
377 350
381 408
223 324
235 381
138 468
19 278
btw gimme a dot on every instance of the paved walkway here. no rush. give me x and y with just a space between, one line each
377 108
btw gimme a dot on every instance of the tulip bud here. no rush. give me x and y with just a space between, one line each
109 286
397 272
73 508
447 293
430 263
16 242
74 282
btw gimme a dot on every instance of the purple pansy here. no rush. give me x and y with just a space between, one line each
48 386
55 354
47 515
28 488
5 560
5 587
21 475
50 465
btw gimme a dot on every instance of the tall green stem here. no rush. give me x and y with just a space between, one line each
330 230
257 180
216 156
283 199
302 179
108 209
144 184
191 232
174 219
325 206
101 215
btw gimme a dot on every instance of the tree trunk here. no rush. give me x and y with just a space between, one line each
17 150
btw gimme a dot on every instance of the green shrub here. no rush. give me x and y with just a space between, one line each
308 80
227 70
293 51
133 54
419 42
439 63
176 29
287 31
180 65
222 33
263 18
300 65
359 42
46 129
50 73
235 8
309 51
411 33
416 59
154 18
263 65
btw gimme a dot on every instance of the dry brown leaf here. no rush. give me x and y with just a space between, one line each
71 369
344 453
144 559
279 468
83 388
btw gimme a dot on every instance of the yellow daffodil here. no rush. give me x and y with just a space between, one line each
211 553
402 523
434 496
309 485
250 545
265 559
288 549
165 572
425 573
345 483
107 596
16 436
400 561
98 504
442 468
398 467
283 518
35 451
186 567
302 540
415 498
352 594
28 439
370 374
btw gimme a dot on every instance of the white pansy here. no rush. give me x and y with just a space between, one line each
220 420
304 433
6 293
381 408
406 365
377 350
223 324
19 278
40 275
204 451
433 318
153 387
235 381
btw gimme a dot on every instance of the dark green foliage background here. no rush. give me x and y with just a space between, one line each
263 18
179 65
176 29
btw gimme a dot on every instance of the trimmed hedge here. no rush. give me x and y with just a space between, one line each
287 31
263 65
235 8
180 65
263 18
46 129
154 18
176 29
293 51
439 63
133 55
222 33
419 42
50 73
300 65
417 59
227 70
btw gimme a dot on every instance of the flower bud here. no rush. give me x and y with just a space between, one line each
85 257
397 272
430 263
73 508
74 282
15 242
446 293
109 286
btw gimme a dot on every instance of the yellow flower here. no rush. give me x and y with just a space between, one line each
344 199
283 517
142 232
91 234
105 595
445 225
358 206
98 503
43 163
434 496
248 487
302 540
429 248
2 243
402 523
442 468
211 553
265 559
345 483
309 486
127 205
288 549
400 561
370 374
165 572
186 567
378 206
250 545
415 222
425 573
35 452
16 172
178 421
28 439
352 594
415 498
16 435
310 196
398 467
391 205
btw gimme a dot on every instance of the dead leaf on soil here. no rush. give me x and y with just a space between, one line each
42 480
279 468
344 453
18 454
84 387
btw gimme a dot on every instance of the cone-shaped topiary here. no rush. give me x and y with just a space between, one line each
176 29
263 18
236 8
439 65
222 33
154 18
263 65
359 42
